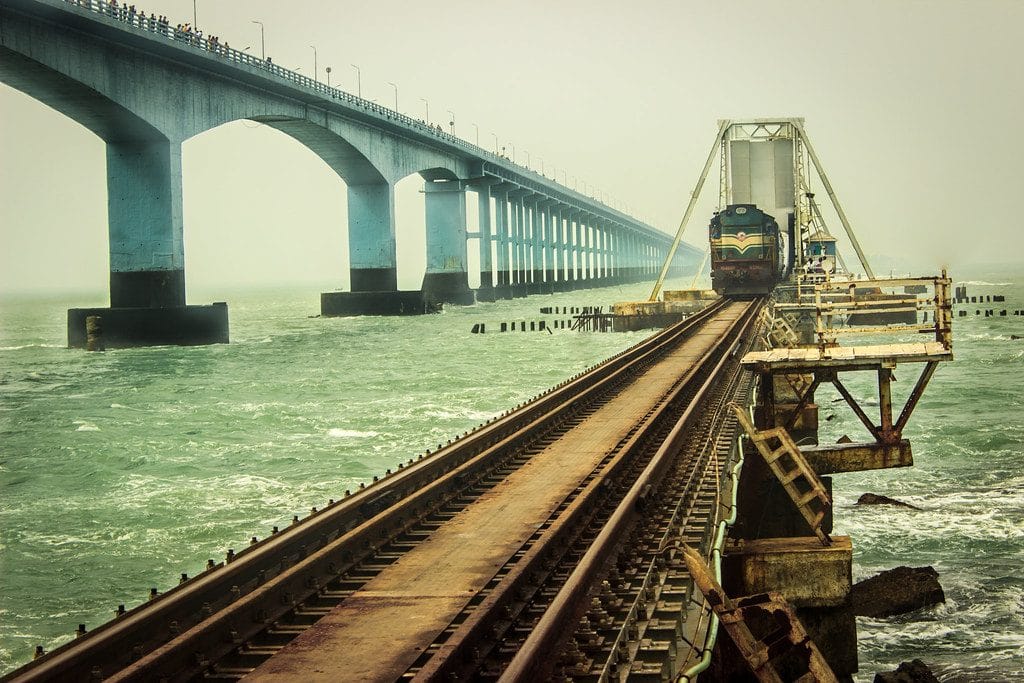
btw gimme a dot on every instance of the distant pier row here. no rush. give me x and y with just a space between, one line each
145 88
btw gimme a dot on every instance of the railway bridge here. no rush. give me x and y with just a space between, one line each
584 535
144 88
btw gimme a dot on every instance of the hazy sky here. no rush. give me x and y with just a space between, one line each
913 107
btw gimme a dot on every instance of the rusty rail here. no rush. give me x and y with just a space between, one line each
538 655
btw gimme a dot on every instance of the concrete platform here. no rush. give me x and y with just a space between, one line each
338 304
174 326
807 573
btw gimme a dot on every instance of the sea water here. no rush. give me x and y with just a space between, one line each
121 470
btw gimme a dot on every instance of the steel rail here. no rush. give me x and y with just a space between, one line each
538 654
170 616
455 658
690 500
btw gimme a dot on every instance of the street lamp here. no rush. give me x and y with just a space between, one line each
328 70
263 43
396 94
316 69
527 153
451 121
513 152
477 133
495 142
195 17
427 107
541 162
359 81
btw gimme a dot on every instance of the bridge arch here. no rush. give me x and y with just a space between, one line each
261 208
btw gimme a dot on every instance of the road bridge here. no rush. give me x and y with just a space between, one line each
144 88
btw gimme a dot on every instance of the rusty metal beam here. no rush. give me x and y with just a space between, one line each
915 396
856 408
858 457
885 405
804 400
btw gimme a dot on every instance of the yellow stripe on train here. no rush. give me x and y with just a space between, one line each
740 245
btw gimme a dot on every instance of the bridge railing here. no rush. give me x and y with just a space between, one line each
127 14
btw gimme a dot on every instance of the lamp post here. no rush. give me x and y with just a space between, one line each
527 153
359 81
195 16
316 69
396 94
263 43
451 121
426 105
513 152
495 142
328 70
541 162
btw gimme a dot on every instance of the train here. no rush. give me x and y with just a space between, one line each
748 255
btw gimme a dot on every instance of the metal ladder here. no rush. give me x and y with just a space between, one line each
788 465
783 632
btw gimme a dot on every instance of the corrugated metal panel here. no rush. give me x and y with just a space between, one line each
739 161
762 174
783 151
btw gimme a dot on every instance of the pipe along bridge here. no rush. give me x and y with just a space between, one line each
545 543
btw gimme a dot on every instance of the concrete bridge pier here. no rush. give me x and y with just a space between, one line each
372 262
446 280
518 234
502 285
538 211
147 255
550 230
486 291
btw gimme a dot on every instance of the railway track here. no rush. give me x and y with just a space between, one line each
575 484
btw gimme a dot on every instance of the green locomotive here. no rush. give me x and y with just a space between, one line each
747 257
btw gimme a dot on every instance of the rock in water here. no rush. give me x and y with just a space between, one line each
897 591
875 499
908 672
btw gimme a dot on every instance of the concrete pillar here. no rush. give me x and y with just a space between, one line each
519 285
550 230
539 212
564 283
371 237
585 251
147 256
613 255
503 290
446 279
144 210
486 290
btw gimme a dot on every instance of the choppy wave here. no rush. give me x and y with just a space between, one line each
339 433
22 347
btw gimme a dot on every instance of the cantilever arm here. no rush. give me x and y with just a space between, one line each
723 126
835 201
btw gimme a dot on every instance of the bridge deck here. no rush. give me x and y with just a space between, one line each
380 631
